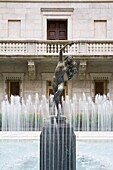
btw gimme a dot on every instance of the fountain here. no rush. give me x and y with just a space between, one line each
57 140
84 113
19 115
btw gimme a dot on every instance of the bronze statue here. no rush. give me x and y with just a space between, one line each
65 65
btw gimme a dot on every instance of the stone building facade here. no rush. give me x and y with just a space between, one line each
32 33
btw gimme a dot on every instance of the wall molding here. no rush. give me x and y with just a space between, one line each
13 76
100 76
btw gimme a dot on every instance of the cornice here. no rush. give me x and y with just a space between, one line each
57 9
58 1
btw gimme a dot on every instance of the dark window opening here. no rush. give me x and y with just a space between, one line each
101 87
57 30
13 88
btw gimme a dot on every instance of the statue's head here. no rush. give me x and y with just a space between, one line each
68 59
71 66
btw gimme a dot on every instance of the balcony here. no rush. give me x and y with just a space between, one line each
81 48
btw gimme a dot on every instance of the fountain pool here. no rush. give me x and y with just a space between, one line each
16 154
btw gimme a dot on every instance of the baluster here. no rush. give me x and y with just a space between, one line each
112 47
14 48
52 48
58 48
104 47
87 45
55 48
17 47
40 47
97 48
75 48
49 48
72 48
101 47
77 45
11 47
93 48
109 48
23 48
3 47
45 45
37 48
20 49
6 47
67 50
90 48
0 47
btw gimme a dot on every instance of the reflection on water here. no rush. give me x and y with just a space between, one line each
19 155
95 155
24 155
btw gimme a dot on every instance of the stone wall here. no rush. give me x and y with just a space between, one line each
28 20
82 17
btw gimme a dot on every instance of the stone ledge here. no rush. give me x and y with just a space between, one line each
20 135
58 1
94 135
35 135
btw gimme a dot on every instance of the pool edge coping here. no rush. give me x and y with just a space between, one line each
36 135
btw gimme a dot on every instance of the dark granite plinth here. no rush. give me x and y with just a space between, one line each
57 146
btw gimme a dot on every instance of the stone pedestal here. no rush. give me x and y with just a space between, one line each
57 145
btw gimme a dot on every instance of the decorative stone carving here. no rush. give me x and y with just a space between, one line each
82 70
31 70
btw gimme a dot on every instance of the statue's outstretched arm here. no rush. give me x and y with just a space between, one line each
62 49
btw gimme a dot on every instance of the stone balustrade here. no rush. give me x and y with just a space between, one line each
80 47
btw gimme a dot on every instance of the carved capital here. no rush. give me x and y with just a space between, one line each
31 70
82 70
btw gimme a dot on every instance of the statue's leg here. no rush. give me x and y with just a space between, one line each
57 95
59 90
51 105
